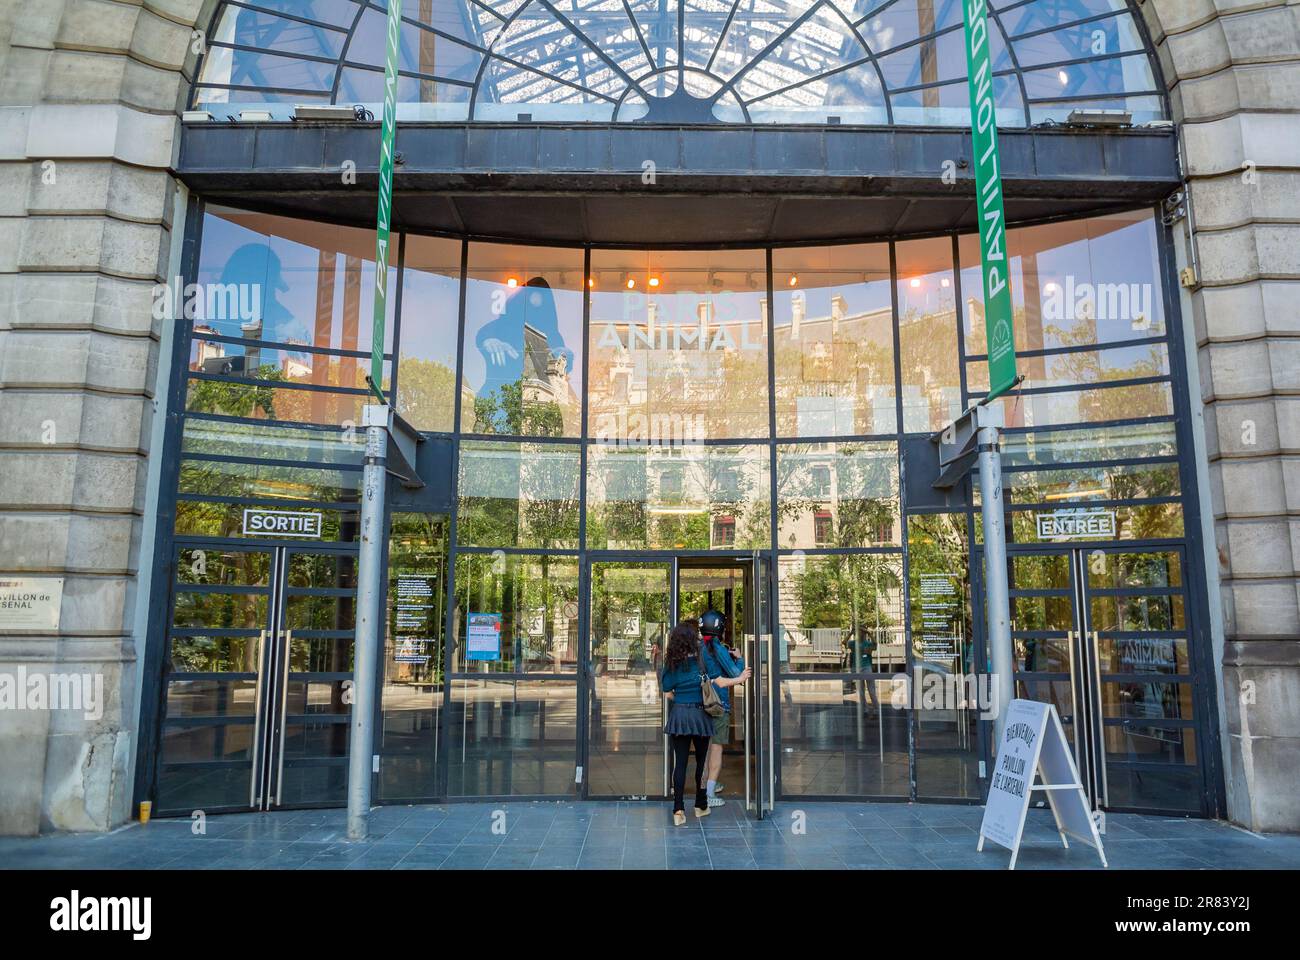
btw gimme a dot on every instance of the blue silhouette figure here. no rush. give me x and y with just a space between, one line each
521 341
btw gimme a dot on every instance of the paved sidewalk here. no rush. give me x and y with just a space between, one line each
629 835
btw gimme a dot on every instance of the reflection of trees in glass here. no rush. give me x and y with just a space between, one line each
668 502
855 593
426 395
522 589
621 591
508 410
865 504
235 399
525 496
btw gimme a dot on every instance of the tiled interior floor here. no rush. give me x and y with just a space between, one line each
629 835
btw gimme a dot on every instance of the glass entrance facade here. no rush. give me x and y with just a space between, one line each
605 418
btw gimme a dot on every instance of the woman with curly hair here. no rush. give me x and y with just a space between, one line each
688 725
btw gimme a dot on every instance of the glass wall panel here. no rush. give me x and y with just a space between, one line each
262 481
518 495
1074 282
272 441
411 699
678 346
834 346
843 738
927 335
841 613
263 277
1080 367
947 691
686 497
837 495
515 614
426 394
512 737
268 402
1155 521
523 341
1091 405
1068 484
206 518
1102 443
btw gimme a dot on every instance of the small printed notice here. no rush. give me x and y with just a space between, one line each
483 637
941 616
413 613
30 603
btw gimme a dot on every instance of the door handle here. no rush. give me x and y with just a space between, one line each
253 795
284 712
1079 708
1100 725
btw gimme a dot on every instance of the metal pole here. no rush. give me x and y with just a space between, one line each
369 626
990 421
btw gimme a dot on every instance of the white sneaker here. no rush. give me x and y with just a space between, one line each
718 788
716 801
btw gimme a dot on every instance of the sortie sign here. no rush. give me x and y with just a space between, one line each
998 336
389 134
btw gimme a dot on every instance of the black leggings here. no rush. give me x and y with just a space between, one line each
681 755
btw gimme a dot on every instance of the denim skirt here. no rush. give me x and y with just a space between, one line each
688 720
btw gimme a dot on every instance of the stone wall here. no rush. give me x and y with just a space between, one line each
1234 71
89 93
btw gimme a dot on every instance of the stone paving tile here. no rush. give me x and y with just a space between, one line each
614 835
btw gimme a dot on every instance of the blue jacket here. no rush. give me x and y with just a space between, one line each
719 662
683 683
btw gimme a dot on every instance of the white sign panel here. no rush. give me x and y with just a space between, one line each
30 603
1033 744
282 523
1095 524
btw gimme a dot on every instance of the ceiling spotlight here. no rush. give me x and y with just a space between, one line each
794 280
591 282
631 283
654 281
1063 77
914 282
512 282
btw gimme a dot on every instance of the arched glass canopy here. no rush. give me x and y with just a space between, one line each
691 61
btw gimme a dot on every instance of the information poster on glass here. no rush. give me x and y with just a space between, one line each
483 637
413 616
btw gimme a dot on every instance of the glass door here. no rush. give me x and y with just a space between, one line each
631 615
1102 634
760 755
256 699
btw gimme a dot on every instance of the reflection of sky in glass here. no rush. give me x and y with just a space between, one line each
483 298
580 60
1119 250
287 273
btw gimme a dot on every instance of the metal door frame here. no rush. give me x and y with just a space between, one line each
1086 678
272 654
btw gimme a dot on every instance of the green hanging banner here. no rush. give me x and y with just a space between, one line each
999 339
389 135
